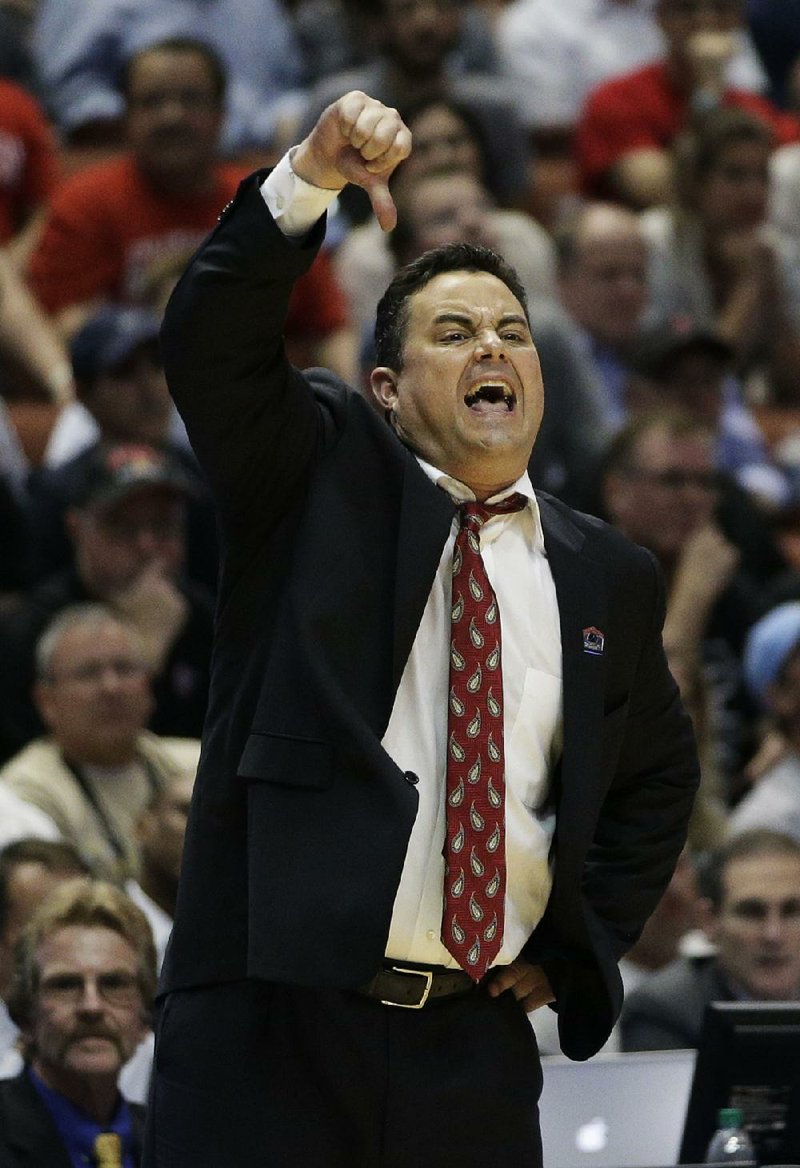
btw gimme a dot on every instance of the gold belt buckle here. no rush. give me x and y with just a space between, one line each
424 973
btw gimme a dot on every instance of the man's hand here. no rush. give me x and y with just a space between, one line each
156 608
706 565
356 140
528 983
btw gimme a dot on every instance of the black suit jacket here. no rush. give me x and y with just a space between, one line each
28 1136
331 538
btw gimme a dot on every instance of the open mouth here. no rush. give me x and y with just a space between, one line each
491 397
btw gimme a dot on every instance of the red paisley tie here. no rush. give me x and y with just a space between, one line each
474 850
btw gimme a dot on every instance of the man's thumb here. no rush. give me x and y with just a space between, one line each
382 203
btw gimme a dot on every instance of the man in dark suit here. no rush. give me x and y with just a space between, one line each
750 911
339 863
84 981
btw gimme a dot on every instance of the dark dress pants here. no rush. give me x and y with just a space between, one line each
260 1075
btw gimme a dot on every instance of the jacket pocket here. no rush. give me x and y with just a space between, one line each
287 761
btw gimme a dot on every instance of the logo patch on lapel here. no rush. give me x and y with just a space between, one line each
593 641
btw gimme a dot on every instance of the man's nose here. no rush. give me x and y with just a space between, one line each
490 345
110 678
90 1001
773 925
147 542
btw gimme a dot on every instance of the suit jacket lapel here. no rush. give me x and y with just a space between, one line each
425 520
426 514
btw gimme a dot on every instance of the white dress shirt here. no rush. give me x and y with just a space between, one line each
512 547
159 921
516 564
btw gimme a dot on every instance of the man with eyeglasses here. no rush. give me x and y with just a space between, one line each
127 528
629 123
97 770
750 911
688 367
662 489
84 983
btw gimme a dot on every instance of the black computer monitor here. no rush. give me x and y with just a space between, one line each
748 1057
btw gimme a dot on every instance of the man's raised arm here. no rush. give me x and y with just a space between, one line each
356 140
222 335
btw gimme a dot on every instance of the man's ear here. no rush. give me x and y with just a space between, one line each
72 522
779 701
615 491
706 916
42 700
383 382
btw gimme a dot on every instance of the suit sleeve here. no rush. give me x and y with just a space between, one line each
643 821
250 416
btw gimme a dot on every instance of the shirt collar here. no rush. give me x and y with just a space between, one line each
460 493
78 1130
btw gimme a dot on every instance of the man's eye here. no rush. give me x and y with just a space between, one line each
454 335
513 335
62 982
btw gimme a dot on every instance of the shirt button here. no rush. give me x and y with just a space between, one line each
411 778
280 202
431 935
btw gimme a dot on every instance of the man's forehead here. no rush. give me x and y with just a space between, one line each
84 946
465 293
155 497
767 877
659 446
85 639
28 883
609 250
160 64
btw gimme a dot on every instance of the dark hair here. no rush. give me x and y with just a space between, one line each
569 235
216 66
696 151
392 312
54 855
465 114
402 240
620 458
758 841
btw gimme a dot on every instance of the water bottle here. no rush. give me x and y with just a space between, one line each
730 1143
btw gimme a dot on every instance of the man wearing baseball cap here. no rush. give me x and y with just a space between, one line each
127 527
122 398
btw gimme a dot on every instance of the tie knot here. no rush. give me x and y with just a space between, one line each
108 1150
475 514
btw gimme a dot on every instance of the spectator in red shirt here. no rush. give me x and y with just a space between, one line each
28 164
110 223
628 123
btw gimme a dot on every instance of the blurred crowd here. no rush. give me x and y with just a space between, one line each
638 161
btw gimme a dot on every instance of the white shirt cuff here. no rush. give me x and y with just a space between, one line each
294 204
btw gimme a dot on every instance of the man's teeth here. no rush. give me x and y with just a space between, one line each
491 391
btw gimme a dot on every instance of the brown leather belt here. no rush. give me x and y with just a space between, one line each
411 989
